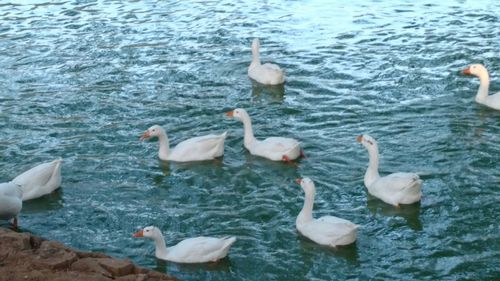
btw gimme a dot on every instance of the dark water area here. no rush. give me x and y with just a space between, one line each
83 79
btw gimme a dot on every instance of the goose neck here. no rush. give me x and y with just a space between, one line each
484 84
255 56
305 214
160 246
372 171
164 146
249 138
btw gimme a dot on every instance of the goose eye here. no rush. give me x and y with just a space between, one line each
370 142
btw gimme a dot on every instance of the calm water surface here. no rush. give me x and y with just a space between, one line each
83 79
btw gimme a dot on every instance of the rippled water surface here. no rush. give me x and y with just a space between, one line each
83 79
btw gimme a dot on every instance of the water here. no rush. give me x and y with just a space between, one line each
83 79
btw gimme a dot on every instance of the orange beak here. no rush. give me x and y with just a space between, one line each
139 234
466 71
145 136
230 114
359 138
299 180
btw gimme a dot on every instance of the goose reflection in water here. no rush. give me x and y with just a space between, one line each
168 267
49 202
272 93
410 212
310 250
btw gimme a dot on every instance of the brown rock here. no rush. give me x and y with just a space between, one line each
117 267
149 276
133 277
22 273
36 242
27 257
15 241
82 255
55 256
157 276
73 276
90 265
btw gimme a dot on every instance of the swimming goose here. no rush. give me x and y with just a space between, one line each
273 148
192 250
11 201
194 149
327 230
482 97
267 74
40 180
394 189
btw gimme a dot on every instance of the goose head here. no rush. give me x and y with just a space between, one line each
367 141
239 114
153 131
151 232
475 69
307 185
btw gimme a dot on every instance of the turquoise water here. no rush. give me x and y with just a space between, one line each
83 79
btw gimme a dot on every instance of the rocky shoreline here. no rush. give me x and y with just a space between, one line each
27 257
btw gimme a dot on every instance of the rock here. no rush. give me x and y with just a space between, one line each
72 276
90 265
27 257
156 276
82 255
117 267
150 276
55 256
11 243
105 266
15 241
133 277
36 242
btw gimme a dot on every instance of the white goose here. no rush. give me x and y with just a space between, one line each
11 201
267 74
273 148
327 230
40 180
194 149
192 250
482 96
397 188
